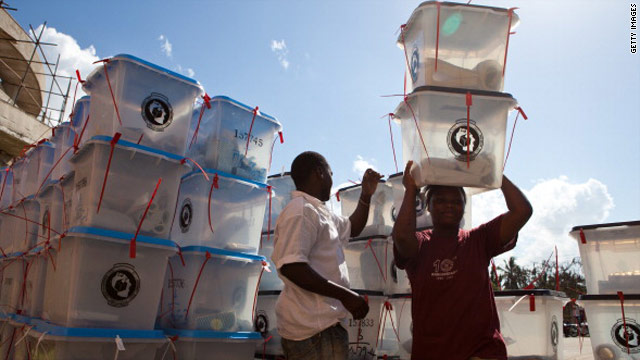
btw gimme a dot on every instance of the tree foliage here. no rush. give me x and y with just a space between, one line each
512 276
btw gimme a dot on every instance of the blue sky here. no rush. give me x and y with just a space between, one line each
321 68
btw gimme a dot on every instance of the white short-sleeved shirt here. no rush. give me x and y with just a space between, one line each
307 231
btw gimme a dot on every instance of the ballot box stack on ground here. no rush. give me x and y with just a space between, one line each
368 256
531 323
94 217
610 256
280 188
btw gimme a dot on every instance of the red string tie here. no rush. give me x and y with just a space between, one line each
206 103
281 137
52 168
415 120
4 182
506 47
132 244
393 148
469 103
195 286
583 238
557 271
532 302
369 242
106 74
624 321
513 130
214 185
269 188
265 266
64 206
255 294
406 57
204 173
79 77
112 144
62 236
78 138
255 112
180 255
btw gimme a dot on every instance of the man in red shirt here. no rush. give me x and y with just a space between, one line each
453 309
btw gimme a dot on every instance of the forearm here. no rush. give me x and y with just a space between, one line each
519 212
308 279
404 229
516 201
360 216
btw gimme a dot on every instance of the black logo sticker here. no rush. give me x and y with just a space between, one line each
157 112
460 138
633 334
554 333
415 62
261 323
186 215
120 285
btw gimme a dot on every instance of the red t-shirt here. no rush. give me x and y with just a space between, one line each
453 309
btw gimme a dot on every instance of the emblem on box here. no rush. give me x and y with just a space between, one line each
261 324
415 61
157 111
554 333
463 140
632 335
186 215
120 285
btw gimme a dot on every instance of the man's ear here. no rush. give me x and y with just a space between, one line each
320 172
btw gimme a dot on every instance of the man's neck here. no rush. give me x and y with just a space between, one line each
311 192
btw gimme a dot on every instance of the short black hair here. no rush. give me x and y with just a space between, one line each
304 164
431 189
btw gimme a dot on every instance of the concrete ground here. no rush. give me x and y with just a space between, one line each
572 349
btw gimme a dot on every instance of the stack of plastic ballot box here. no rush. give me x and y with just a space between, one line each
610 256
93 218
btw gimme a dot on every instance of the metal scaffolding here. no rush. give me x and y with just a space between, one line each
59 86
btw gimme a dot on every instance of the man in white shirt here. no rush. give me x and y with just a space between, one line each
308 253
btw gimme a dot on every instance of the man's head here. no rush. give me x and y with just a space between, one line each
312 174
446 204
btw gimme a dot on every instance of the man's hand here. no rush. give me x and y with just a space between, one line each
407 179
360 215
356 304
370 182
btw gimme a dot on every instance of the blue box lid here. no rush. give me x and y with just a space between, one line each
222 252
55 330
210 334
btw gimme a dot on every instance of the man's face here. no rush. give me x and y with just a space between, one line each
327 182
446 207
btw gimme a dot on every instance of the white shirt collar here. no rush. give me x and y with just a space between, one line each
312 199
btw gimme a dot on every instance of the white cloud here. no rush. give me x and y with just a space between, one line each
360 165
558 205
166 46
280 49
72 58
